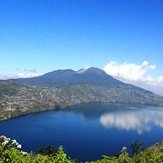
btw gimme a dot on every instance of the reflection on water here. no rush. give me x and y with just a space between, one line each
138 118
126 120
88 131
133 120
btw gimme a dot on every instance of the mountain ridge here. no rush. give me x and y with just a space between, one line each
68 76
60 89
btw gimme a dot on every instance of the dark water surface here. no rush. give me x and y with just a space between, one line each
88 131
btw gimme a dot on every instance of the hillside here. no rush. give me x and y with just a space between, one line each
62 88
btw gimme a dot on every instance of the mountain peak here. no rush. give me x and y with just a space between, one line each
81 71
95 70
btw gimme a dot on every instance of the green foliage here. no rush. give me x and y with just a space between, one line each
142 157
10 153
135 146
49 150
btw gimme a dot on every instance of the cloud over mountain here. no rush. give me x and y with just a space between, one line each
28 73
20 74
135 74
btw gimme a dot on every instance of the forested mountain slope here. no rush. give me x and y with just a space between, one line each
62 88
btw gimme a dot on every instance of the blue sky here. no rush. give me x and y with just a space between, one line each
122 37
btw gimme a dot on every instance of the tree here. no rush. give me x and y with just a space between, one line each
136 147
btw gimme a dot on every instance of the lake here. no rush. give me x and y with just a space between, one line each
88 131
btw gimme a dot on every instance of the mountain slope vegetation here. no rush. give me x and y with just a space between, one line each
63 88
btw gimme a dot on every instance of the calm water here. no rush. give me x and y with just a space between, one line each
87 131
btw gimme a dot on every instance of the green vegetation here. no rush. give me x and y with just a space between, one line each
64 88
136 147
10 152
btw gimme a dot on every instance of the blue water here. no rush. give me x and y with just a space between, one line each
87 132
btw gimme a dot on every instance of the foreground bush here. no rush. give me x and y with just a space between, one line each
10 152
142 157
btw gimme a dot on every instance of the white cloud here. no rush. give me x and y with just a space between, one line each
7 76
21 74
135 74
27 75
